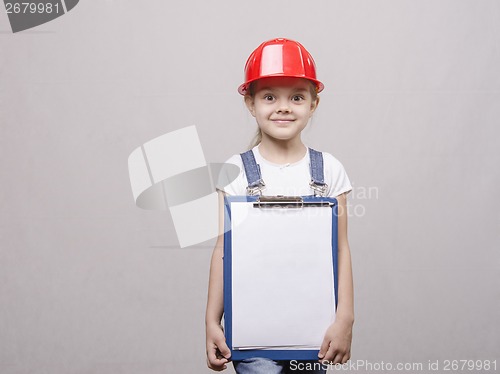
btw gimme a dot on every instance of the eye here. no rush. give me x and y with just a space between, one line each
297 98
268 97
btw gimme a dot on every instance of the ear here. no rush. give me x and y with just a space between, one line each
314 105
250 103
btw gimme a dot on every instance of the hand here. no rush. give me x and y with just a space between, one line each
336 346
218 353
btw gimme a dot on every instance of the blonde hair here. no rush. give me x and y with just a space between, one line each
256 139
251 92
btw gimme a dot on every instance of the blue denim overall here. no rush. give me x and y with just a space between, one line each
259 365
256 184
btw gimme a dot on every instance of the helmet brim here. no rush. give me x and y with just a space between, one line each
243 88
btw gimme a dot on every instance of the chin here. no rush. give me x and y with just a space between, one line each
283 137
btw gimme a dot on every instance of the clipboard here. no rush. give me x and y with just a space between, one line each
263 238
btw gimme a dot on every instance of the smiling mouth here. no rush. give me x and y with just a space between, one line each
282 121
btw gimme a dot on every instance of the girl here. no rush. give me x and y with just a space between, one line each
281 92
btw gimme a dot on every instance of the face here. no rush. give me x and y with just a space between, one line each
282 106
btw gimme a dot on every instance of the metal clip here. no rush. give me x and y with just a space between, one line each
279 202
319 189
257 189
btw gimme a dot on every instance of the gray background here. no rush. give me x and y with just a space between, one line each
91 284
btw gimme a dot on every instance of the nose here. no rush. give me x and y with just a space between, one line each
283 107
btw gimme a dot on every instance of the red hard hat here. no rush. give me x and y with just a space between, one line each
280 58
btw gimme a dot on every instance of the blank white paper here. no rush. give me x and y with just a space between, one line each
282 277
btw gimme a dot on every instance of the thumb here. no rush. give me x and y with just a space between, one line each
324 348
224 349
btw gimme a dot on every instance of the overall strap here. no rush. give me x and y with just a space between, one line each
317 173
256 184
252 171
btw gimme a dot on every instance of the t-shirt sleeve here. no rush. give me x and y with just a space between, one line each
335 176
231 177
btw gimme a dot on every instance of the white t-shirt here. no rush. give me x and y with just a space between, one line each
288 179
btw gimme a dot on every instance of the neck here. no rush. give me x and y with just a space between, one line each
282 151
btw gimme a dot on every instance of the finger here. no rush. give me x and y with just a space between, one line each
217 366
211 366
324 348
337 358
215 362
331 353
346 357
211 357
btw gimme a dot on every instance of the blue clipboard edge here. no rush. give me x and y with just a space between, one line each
290 354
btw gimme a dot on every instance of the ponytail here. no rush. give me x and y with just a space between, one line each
256 139
258 135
